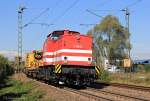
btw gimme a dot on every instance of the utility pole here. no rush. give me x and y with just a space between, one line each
127 17
20 27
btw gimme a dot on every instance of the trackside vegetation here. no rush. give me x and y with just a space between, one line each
15 90
6 69
139 77
20 91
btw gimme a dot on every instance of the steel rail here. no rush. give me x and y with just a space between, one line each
96 97
100 98
135 87
117 94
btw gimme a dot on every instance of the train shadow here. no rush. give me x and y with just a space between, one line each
95 85
98 85
77 87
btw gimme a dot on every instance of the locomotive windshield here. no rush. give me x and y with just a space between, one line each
56 35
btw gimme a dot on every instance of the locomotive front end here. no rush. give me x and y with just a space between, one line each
70 53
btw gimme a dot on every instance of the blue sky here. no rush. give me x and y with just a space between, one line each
64 18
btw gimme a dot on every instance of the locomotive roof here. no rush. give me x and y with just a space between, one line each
62 32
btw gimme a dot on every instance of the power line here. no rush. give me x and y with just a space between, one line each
94 13
133 4
42 24
102 4
38 23
35 18
63 14
118 10
56 5
105 10
87 24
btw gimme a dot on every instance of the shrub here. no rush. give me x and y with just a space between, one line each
147 68
5 68
104 76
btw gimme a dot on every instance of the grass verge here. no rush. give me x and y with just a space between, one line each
140 78
15 90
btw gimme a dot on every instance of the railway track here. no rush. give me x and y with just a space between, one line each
118 95
79 92
141 88
103 95
89 95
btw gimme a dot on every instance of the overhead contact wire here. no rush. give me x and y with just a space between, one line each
37 17
63 14
134 3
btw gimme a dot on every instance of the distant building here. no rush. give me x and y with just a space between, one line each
110 68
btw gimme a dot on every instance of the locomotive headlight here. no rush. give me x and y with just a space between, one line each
89 60
65 59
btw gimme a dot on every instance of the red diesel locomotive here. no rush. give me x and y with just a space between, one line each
67 47
67 59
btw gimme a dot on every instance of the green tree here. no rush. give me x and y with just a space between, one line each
111 39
